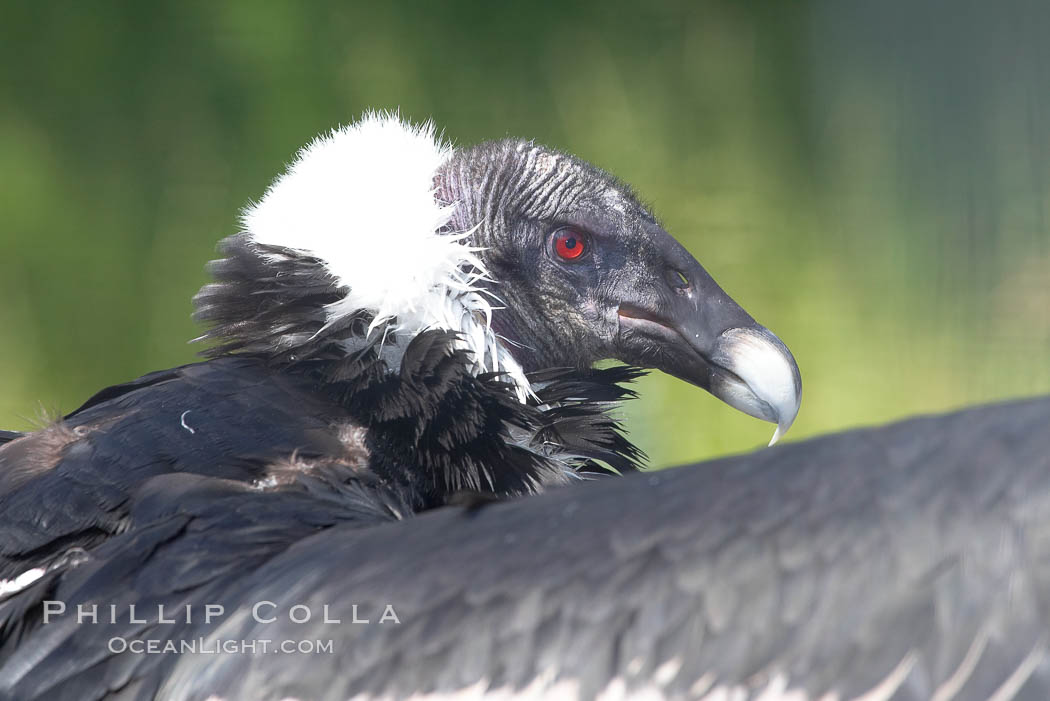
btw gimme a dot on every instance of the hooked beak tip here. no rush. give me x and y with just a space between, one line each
777 434
763 379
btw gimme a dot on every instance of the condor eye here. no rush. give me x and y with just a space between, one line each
569 244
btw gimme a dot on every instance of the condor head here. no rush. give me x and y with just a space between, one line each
585 273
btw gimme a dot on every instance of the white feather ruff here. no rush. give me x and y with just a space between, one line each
361 199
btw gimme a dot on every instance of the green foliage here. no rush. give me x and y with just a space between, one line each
870 181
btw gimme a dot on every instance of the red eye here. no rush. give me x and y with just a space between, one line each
569 244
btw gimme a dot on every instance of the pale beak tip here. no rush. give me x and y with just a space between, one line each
776 437
785 419
764 380
782 429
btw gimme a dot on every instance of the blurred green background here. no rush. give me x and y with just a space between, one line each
870 180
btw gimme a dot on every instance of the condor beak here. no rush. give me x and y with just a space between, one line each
697 333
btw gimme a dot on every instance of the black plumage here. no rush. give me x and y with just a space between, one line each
434 430
905 562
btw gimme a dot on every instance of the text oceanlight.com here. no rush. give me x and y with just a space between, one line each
210 646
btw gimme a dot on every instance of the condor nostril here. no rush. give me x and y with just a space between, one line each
678 280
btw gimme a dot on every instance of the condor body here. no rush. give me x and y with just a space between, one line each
399 326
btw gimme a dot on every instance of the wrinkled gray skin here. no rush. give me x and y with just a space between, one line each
635 295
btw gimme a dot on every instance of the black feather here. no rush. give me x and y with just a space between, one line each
428 430
828 562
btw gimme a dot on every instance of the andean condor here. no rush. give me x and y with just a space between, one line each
399 326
